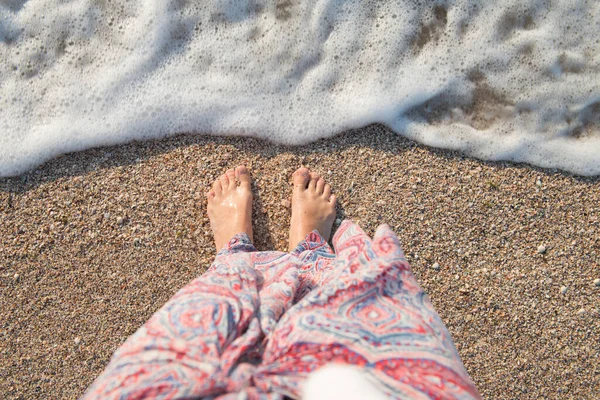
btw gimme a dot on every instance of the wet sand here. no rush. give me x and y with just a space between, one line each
93 243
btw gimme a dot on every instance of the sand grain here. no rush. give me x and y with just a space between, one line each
93 243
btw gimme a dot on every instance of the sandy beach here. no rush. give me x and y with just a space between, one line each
93 243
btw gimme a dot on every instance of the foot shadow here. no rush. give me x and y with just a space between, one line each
340 216
262 237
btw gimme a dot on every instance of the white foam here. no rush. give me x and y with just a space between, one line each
503 80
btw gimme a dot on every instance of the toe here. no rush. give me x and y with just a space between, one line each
301 177
332 199
327 191
314 178
224 181
243 176
320 186
230 177
217 187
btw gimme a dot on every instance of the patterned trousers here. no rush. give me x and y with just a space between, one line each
256 324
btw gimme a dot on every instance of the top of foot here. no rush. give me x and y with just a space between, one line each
313 207
230 206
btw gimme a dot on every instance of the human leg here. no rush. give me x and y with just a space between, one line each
187 347
370 312
313 212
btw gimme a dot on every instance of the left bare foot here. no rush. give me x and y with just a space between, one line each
230 206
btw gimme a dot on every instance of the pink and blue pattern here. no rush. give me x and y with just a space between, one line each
257 324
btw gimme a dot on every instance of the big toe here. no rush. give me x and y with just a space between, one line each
301 178
243 175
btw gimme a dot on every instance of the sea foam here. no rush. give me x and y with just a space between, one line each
499 79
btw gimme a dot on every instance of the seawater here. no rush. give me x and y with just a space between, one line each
497 79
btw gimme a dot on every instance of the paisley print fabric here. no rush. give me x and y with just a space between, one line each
256 324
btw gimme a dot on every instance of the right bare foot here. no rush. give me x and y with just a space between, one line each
313 207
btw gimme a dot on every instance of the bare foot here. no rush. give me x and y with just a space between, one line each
230 206
313 207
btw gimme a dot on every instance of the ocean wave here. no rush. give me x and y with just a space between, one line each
498 80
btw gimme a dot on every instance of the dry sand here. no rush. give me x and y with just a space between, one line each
93 243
